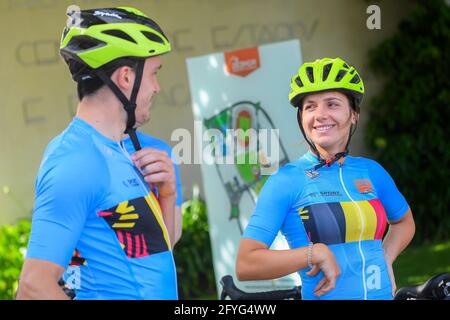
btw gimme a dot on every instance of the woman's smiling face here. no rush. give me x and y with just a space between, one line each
327 118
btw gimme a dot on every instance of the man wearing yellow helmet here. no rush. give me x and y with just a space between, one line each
331 207
116 211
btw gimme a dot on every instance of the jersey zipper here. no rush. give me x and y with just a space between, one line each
360 235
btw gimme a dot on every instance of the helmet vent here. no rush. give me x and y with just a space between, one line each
346 66
326 71
119 34
355 79
153 37
299 82
65 32
310 74
340 75
82 43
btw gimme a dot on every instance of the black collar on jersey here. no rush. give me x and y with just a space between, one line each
128 105
336 157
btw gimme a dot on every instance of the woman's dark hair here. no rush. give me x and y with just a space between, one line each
87 82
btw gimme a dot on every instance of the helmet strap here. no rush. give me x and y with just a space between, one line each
350 135
311 145
128 105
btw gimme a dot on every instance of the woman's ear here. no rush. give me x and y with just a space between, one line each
355 117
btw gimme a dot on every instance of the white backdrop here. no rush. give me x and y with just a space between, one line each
218 95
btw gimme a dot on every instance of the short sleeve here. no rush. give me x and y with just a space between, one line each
272 206
67 190
392 199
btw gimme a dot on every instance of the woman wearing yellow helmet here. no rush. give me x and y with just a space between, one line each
331 207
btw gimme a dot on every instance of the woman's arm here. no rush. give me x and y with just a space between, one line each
397 239
399 236
255 261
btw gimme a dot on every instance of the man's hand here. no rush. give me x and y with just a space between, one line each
157 168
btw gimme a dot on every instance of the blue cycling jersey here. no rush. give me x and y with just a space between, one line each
345 207
90 197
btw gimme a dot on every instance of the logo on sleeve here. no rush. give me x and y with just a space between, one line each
364 185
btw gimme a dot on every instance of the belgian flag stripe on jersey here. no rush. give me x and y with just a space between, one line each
381 218
339 222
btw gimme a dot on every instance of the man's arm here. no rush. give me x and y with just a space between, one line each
39 281
173 219
178 225
167 205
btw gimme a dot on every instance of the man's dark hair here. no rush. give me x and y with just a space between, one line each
87 82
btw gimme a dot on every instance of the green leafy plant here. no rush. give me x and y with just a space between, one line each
13 244
193 253
408 122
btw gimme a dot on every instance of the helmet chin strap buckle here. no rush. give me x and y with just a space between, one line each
130 107
329 162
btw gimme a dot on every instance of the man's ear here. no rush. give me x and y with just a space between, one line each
123 78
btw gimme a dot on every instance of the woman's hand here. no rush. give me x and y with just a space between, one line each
323 260
391 276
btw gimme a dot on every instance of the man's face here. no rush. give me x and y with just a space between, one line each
149 87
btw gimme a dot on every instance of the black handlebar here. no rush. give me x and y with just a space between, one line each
230 290
436 288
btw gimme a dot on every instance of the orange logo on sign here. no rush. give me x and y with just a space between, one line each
242 62
364 186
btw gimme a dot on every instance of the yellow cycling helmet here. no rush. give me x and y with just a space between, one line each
323 75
